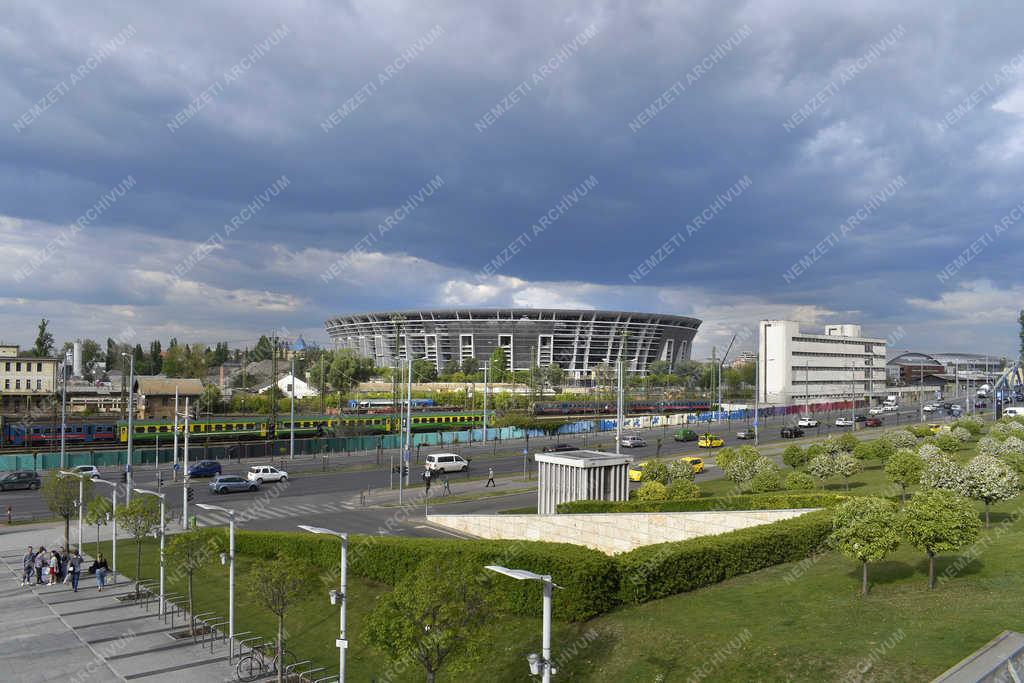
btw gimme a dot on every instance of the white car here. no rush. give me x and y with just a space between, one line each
890 409
263 473
88 470
843 422
930 408
632 442
807 422
877 410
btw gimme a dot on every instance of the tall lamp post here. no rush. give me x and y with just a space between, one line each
341 642
542 664
113 517
162 534
229 558
81 504
131 427
63 410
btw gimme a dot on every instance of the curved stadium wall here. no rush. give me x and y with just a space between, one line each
578 340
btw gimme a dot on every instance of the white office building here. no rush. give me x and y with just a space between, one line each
797 367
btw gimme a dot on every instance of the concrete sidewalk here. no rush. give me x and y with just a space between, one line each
56 634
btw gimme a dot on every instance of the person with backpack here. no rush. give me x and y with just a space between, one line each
75 569
28 564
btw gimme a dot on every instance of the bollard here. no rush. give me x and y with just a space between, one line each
10 513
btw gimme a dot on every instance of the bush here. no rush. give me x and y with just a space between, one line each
765 481
813 451
920 431
680 472
655 471
972 425
652 490
928 451
960 434
947 442
942 472
589 577
1011 447
657 571
866 450
831 446
794 456
682 489
901 439
883 449
848 442
799 481
764 501
990 447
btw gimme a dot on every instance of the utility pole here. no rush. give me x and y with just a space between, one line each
720 364
486 368
323 386
273 385
408 419
757 396
711 395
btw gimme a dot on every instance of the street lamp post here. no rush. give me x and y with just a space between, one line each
341 642
184 473
231 572
113 517
162 534
131 426
63 411
81 503
538 665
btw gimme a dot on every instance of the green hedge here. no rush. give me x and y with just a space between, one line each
658 571
589 578
774 501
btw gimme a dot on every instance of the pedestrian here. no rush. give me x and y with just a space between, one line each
101 567
447 486
426 480
37 563
28 566
490 478
75 569
54 568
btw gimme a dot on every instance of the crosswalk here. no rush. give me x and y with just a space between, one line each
271 510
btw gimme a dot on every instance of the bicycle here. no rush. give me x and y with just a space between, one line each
262 660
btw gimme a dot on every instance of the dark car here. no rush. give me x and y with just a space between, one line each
20 480
204 468
685 435
791 432
560 448
872 422
860 418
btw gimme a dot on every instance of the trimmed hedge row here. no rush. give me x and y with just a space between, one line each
774 501
658 571
590 578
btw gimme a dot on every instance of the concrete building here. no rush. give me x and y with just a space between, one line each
798 367
24 381
580 341
154 396
580 475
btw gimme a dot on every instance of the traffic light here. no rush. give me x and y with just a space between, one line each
189 493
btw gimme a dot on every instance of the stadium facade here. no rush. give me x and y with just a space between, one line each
580 341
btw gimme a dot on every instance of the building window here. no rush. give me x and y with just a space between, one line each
7 382
39 367
17 384
39 384
7 366
17 367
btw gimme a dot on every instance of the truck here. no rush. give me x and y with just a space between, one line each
983 391
891 400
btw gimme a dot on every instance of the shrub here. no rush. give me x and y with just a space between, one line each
972 425
813 451
866 450
961 434
901 439
655 471
947 442
680 472
765 481
928 451
845 465
657 571
724 457
794 456
799 481
990 447
764 501
920 431
822 466
848 442
1011 446
883 449
590 578
682 489
652 490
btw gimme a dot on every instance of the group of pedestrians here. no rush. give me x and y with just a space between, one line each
44 567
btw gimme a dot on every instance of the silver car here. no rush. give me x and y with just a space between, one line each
225 483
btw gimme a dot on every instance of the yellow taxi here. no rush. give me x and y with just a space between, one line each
693 461
636 470
710 441
935 427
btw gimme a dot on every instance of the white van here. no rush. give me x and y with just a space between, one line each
446 462
1013 411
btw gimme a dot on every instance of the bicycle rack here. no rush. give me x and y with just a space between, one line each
290 669
237 639
326 679
169 599
214 627
245 643
310 672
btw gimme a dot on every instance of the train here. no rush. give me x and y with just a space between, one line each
631 408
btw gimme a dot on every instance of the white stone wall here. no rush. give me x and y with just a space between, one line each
610 532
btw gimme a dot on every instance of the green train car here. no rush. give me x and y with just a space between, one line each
227 427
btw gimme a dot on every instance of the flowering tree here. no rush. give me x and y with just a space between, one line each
989 446
865 529
961 434
928 451
904 468
1011 447
744 465
901 439
989 480
846 466
938 522
941 472
822 466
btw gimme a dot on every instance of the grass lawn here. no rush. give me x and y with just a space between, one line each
795 622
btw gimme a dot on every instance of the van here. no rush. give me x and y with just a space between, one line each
1013 411
446 462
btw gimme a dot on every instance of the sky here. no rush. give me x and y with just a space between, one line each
217 171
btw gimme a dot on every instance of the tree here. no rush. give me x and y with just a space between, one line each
156 361
96 515
989 480
61 497
864 529
904 468
652 490
901 439
554 375
174 364
451 367
470 366
139 518
44 340
822 466
794 456
277 585
498 365
679 471
938 522
655 470
865 450
348 369
189 551
433 614
848 442
195 362
745 464
846 466
941 472
947 442
682 489
423 370
210 399
798 481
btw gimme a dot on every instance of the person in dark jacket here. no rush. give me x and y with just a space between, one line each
102 568
75 569
28 565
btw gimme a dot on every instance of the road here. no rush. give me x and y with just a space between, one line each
327 491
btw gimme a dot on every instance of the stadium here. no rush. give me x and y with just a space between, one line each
580 341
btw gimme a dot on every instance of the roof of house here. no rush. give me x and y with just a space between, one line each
165 386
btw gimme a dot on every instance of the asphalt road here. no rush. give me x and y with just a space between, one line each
332 497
